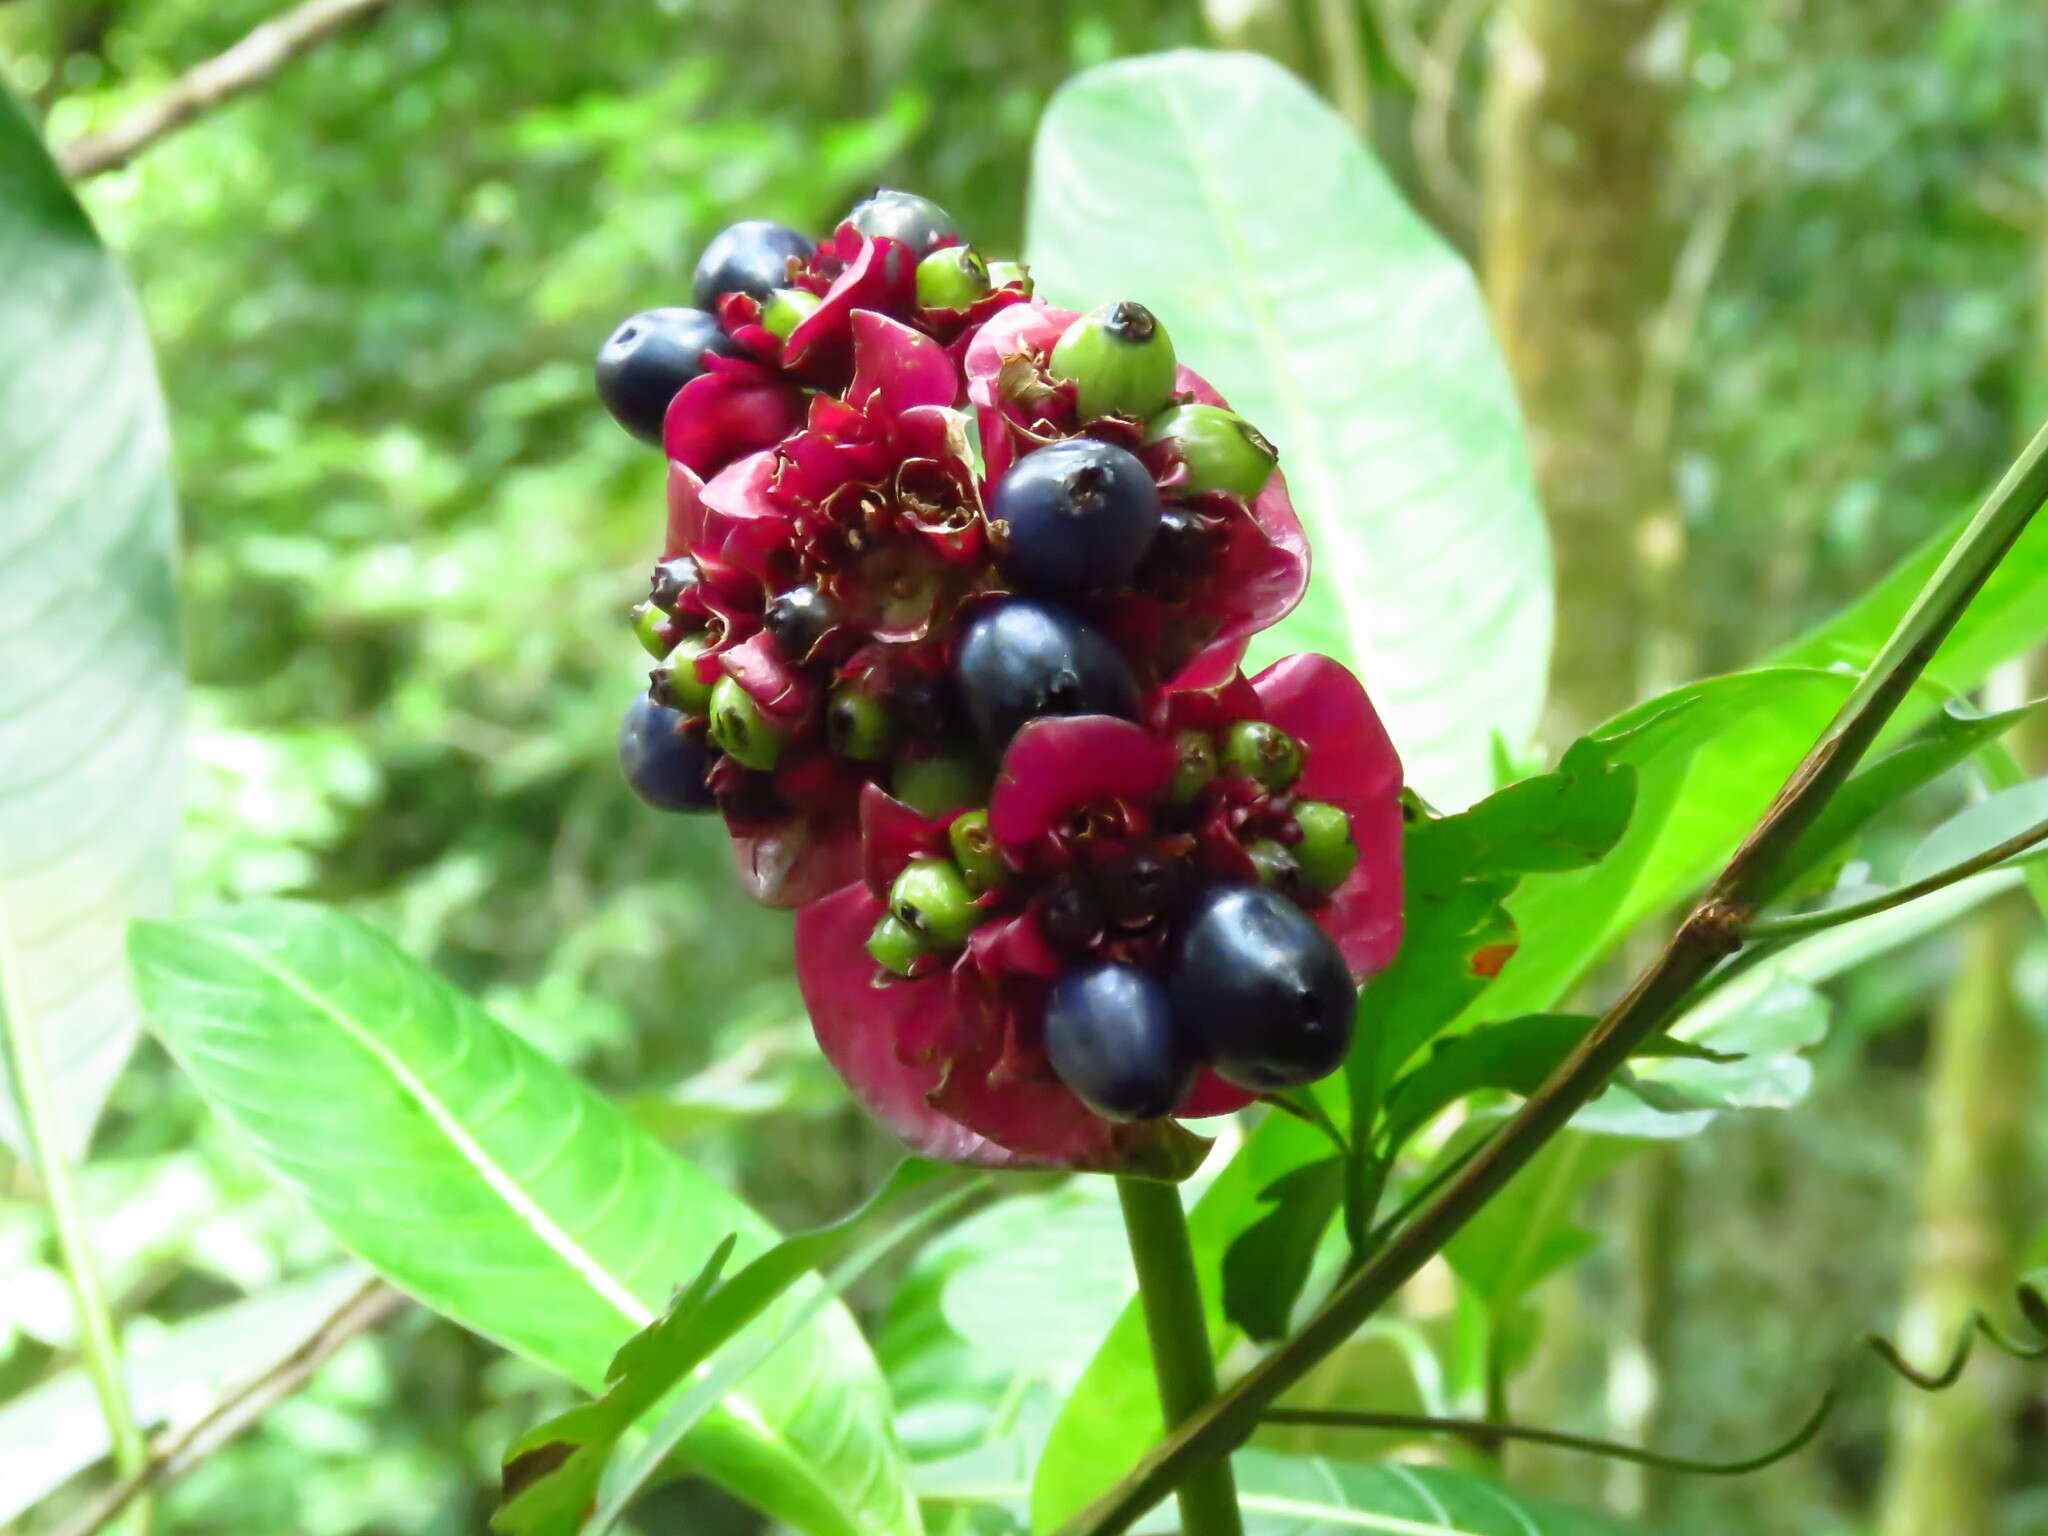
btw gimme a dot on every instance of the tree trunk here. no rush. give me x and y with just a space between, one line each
1575 247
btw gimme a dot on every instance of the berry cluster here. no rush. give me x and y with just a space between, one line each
947 626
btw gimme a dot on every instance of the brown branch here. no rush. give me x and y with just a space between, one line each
221 78
367 1306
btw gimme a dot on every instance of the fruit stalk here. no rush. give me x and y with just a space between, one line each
1157 1226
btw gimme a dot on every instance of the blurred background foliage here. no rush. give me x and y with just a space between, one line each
375 285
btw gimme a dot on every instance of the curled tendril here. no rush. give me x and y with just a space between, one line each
2031 1298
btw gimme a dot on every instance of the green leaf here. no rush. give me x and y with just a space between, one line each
1514 1054
1268 1264
55 1430
1532 1229
1112 1416
500 1190
1218 190
1306 1496
1459 872
89 690
1981 826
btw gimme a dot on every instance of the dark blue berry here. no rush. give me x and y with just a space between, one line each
1021 658
1112 1038
665 764
751 257
797 620
1262 990
917 221
671 581
648 358
1079 514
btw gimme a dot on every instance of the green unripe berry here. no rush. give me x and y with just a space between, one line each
1274 862
739 727
1263 753
858 725
1001 274
975 851
650 628
932 900
677 684
1119 360
952 277
1325 853
1197 765
1222 451
895 947
934 785
787 308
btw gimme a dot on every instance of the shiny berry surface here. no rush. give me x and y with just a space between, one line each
672 581
1079 515
1119 360
664 762
1111 1035
739 727
917 221
648 358
1262 989
797 620
751 257
1219 448
1022 658
931 899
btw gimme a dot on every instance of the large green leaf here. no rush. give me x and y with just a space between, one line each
89 688
500 1190
1311 1496
56 1430
1220 191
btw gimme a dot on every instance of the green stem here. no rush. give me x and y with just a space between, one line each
1713 930
98 1344
1157 1225
1829 917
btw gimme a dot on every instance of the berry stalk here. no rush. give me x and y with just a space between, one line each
1157 1226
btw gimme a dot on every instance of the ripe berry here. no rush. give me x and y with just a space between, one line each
1080 514
1325 854
788 308
952 277
751 257
1138 886
675 683
1021 658
1262 989
1263 753
1182 553
975 851
1119 360
650 628
797 620
1222 451
932 900
917 221
1071 917
673 579
934 783
1112 1038
857 724
648 358
738 726
664 763
895 947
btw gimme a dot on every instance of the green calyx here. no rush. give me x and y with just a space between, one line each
1196 765
650 628
858 725
739 727
787 308
931 899
1275 864
895 947
1119 360
975 851
952 277
1263 753
1004 274
1325 855
936 784
676 683
1222 451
